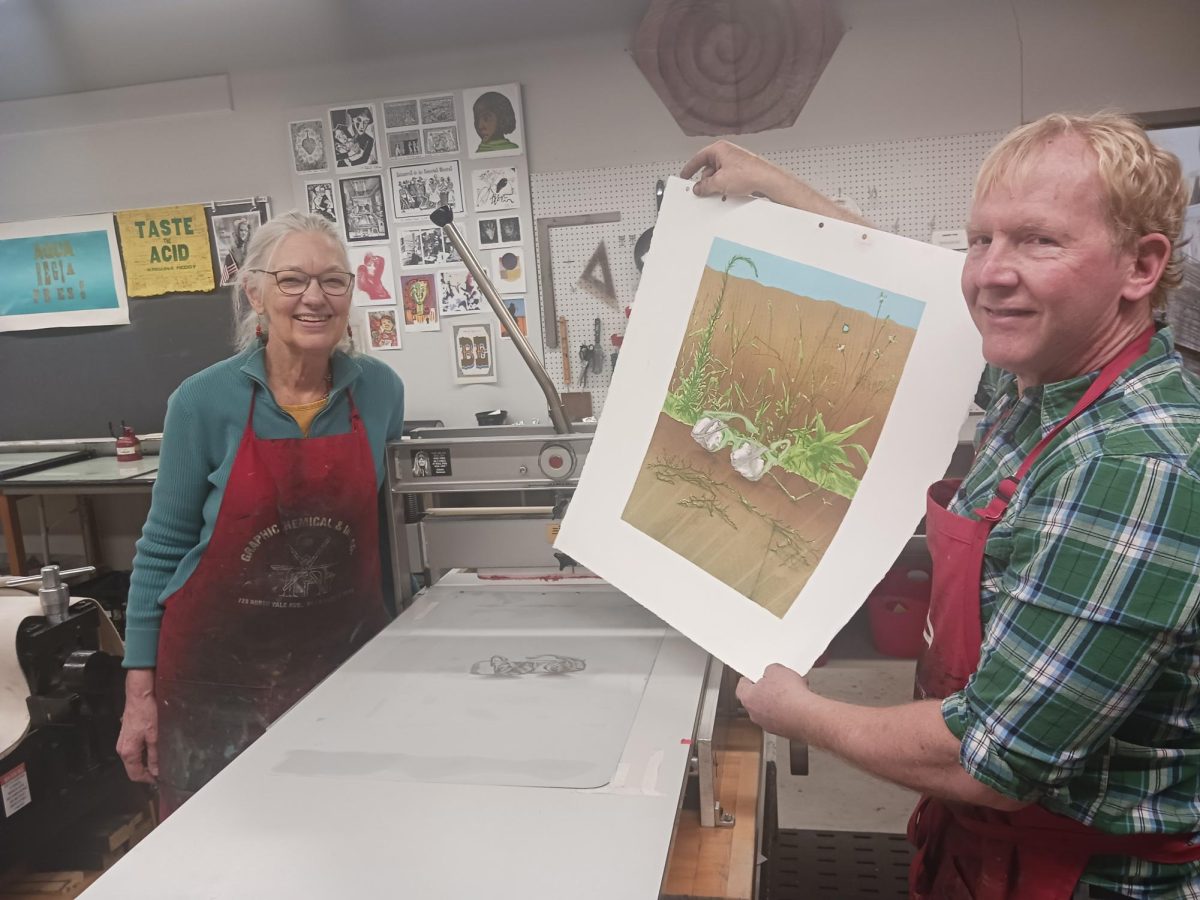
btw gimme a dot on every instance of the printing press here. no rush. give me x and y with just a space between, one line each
520 730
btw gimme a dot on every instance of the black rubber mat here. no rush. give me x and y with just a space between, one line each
836 865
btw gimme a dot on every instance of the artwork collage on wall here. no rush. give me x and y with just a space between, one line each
376 169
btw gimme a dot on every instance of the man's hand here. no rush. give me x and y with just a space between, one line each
726 168
776 701
137 744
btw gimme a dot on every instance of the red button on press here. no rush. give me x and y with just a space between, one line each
556 462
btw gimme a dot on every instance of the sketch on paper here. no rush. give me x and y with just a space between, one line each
542 664
495 188
780 391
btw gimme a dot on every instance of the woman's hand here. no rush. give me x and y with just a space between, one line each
776 701
726 169
138 743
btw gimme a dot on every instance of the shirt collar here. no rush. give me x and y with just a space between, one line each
346 369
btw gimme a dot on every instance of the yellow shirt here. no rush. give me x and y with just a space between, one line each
304 413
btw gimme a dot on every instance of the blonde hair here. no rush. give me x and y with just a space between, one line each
258 255
1143 184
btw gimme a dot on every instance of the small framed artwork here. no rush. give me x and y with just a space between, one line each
471 352
383 329
353 130
489 232
440 140
404 143
419 298
458 294
510 230
495 188
364 214
374 276
425 247
308 146
508 270
233 224
516 308
437 110
495 115
400 113
321 200
420 189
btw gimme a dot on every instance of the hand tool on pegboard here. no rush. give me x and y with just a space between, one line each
565 347
592 355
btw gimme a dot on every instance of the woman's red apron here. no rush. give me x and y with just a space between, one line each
288 588
972 853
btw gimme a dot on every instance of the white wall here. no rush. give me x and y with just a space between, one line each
904 70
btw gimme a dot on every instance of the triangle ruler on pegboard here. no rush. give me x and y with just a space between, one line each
597 275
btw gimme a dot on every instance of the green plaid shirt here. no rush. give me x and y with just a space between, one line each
1087 696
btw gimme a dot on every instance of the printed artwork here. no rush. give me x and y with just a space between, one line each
404 143
308 146
516 307
320 199
425 247
441 140
418 190
363 209
233 222
353 129
504 231
472 353
374 275
419 293
494 188
458 294
495 115
508 271
383 330
781 389
400 113
165 250
437 110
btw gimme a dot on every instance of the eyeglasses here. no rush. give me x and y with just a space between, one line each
294 282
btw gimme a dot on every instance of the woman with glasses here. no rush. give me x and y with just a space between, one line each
258 569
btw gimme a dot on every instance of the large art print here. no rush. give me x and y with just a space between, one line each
795 383
418 190
363 211
61 273
166 250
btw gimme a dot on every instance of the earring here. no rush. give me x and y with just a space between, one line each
258 333
349 331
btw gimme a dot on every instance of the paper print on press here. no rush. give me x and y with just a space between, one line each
166 250
780 392
508 270
374 276
321 200
789 385
494 115
418 190
353 129
385 334
516 308
308 146
363 208
61 273
471 350
494 188
419 298
458 294
424 247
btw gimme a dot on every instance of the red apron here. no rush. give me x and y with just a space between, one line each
967 852
288 588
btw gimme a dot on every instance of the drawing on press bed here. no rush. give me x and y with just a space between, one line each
780 391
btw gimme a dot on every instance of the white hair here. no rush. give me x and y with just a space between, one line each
265 240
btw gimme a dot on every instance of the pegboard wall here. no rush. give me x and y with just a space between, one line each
911 188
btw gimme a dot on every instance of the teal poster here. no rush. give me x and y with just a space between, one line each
61 273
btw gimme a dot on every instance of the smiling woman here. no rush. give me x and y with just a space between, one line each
259 568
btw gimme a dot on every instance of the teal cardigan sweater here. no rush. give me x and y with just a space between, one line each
205 419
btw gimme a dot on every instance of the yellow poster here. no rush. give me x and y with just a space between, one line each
165 250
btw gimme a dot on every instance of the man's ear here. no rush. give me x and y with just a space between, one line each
1150 255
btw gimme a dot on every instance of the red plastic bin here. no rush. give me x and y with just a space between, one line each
897 609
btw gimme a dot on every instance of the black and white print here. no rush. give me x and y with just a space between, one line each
458 294
400 113
353 129
363 209
320 199
503 231
441 140
233 224
437 110
424 247
495 188
417 190
404 143
308 146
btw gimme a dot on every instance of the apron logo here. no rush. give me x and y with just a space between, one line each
307 575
